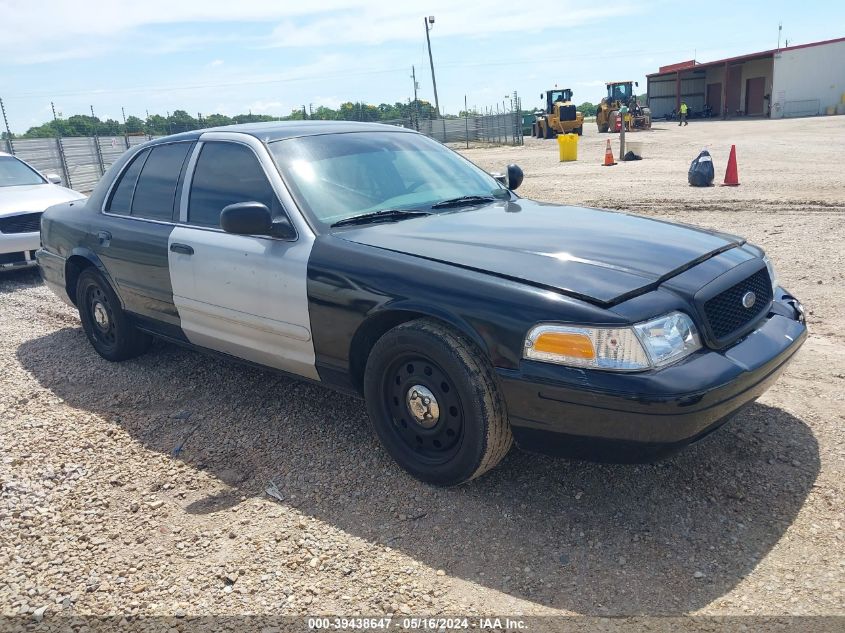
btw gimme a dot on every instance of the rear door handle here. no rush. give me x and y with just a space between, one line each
104 237
176 247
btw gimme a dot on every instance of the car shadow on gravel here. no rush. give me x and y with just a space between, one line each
13 280
669 537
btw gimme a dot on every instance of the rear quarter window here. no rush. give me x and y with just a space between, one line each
155 193
121 198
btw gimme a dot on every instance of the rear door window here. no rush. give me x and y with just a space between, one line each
227 173
155 193
121 198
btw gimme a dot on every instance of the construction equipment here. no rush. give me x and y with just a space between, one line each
559 116
621 94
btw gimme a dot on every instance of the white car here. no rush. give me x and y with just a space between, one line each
24 194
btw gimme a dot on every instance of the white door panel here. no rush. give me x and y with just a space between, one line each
245 296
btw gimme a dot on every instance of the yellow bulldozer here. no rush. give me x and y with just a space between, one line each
559 116
621 94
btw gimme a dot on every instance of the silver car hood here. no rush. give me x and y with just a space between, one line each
29 198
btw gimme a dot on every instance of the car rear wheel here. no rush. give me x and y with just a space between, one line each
434 403
105 323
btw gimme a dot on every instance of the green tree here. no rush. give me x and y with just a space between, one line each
587 109
216 120
156 125
134 125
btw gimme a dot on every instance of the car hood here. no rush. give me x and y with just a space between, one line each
29 198
601 256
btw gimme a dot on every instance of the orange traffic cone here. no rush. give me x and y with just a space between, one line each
731 175
608 156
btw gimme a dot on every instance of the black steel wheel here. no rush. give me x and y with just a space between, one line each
435 404
105 323
424 406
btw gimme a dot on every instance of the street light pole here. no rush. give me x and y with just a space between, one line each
430 21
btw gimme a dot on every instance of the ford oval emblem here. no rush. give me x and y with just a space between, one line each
748 299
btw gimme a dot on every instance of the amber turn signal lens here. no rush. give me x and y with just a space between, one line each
565 344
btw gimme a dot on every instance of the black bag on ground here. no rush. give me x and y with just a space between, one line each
701 172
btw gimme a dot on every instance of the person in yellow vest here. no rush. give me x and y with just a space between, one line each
682 120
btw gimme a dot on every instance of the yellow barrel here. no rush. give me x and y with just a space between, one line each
568 146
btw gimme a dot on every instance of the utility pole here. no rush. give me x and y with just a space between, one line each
415 112
466 121
123 112
780 30
53 107
426 22
6 121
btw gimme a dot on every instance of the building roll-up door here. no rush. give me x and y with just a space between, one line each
714 97
734 89
754 90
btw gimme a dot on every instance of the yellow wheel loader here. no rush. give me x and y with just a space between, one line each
621 93
559 116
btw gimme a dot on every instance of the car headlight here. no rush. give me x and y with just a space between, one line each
772 274
647 345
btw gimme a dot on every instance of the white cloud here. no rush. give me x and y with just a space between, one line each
261 106
54 29
329 102
215 63
380 22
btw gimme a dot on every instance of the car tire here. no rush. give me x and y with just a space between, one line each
106 325
434 402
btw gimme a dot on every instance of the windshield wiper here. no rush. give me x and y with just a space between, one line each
462 201
380 216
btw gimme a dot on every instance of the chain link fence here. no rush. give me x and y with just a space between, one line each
492 129
80 161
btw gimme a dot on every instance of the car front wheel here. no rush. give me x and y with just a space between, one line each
105 323
434 403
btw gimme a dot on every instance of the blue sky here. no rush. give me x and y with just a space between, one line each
270 57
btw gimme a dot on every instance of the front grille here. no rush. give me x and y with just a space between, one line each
24 223
13 259
567 113
725 313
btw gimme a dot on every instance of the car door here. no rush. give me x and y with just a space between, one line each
131 235
238 294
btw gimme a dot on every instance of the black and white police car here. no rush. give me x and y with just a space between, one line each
375 260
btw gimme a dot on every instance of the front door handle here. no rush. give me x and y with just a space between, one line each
104 237
176 247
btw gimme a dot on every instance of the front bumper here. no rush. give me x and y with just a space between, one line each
17 250
639 416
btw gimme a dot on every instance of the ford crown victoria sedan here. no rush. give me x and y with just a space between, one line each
24 194
374 260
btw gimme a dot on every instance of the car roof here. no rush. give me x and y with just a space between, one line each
280 130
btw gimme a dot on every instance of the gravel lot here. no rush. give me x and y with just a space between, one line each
140 488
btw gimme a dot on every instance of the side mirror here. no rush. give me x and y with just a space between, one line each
515 177
254 218
54 179
637 83
283 229
246 218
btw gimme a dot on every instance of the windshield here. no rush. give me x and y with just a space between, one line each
13 172
337 176
619 92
